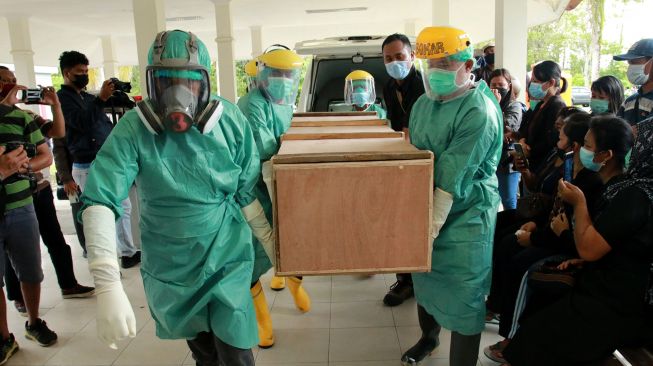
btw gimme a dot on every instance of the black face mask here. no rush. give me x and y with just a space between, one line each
561 152
80 81
503 92
489 59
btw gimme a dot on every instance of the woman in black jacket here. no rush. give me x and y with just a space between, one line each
611 304
538 133
511 109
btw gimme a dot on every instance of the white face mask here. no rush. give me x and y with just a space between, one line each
636 74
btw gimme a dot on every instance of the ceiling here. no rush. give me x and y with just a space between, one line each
78 24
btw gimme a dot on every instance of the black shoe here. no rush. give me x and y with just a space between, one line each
78 291
129 262
399 292
8 348
40 333
419 351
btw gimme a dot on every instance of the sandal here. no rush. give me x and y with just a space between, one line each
495 351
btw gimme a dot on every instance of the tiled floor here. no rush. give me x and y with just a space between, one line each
347 326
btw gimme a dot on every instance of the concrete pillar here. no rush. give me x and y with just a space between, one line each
511 36
225 39
110 64
410 28
442 10
21 50
257 40
149 19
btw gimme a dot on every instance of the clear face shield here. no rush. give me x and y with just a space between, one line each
360 92
279 85
445 76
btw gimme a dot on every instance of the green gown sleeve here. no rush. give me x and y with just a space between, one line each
259 114
247 158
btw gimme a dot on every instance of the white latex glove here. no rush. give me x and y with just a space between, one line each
256 219
115 317
442 202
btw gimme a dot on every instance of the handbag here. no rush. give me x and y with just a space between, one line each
534 205
547 278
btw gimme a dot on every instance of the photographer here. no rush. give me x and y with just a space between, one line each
87 128
46 213
19 235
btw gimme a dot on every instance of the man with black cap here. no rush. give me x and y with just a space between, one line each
640 72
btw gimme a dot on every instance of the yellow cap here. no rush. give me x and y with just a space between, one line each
359 75
281 59
439 42
251 69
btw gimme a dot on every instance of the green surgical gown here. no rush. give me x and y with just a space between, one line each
268 121
197 256
465 134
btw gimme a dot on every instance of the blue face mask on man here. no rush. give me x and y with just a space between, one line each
360 98
398 69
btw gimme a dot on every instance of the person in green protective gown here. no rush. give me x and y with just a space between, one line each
360 93
195 164
269 110
461 123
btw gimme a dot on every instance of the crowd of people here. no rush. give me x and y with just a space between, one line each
565 267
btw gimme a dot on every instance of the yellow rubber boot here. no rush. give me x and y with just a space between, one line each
278 283
302 301
265 333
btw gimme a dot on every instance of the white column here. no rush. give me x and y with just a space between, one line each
149 19
110 64
21 50
410 27
257 40
225 39
442 12
511 35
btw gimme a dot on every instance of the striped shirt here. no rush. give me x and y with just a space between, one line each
18 125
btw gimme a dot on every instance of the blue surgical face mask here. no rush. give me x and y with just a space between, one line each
360 98
398 69
535 91
279 87
587 159
599 106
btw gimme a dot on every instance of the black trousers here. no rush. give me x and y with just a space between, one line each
79 228
53 239
511 261
209 350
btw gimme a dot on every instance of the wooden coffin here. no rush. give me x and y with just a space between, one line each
325 119
340 132
338 209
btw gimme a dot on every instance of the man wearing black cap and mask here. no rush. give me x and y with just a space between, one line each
87 127
638 106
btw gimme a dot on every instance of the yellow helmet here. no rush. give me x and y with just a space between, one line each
251 68
281 59
440 42
359 75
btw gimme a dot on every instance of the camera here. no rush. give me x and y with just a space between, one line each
121 86
30 149
32 96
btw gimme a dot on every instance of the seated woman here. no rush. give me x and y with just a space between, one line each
534 241
610 306
359 92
